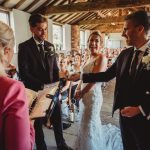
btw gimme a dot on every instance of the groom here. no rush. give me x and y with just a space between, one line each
132 90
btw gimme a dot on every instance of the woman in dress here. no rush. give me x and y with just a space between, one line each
16 132
64 93
92 135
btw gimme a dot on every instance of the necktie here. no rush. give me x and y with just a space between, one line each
41 51
135 62
42 54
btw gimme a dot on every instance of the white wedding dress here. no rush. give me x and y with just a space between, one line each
92 134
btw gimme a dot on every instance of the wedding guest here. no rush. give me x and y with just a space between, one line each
63 74
77 63
16 131
64 94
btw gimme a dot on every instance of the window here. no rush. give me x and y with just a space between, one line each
57 37
113 43
4 17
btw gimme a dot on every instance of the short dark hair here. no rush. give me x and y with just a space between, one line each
140 18
36 18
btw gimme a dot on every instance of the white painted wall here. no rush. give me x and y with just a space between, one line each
50 30
19 22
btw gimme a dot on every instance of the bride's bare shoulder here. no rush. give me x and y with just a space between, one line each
101 58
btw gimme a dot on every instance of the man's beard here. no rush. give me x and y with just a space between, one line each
39 39
128 42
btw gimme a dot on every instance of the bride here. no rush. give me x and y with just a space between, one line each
92 134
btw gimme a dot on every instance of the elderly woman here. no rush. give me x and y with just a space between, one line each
16 132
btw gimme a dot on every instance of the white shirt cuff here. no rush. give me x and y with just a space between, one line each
142 111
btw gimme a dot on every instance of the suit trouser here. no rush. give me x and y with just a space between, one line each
57 126
135 132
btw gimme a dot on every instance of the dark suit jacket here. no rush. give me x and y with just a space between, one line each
128 91
31 69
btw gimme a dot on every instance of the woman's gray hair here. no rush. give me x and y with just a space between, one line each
6 40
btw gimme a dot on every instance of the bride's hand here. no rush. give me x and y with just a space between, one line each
74 77
78 95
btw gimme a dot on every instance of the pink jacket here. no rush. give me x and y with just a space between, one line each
16 132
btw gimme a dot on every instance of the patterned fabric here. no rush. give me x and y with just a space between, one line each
92 134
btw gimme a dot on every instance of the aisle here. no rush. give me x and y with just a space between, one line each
106 113
71 133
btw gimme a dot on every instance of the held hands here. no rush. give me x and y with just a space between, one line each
78 95
130 111
74 77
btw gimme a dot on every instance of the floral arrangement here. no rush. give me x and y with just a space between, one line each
146 59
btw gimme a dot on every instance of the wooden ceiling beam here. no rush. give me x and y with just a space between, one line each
42 6
4 2
91 6
52 16
109 28
59 17
61 3
52 3
69 17
49 3
81 18
4 9
19 4
73 18
102 20
31 5
92 16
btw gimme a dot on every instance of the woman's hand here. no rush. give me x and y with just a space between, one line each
78 95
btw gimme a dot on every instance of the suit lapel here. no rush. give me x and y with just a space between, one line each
126 61
141 65
36 53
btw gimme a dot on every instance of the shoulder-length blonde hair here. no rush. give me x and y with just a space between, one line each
6 40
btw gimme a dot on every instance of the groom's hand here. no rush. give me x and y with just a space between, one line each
74 77
130 111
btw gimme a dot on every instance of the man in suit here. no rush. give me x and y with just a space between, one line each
132 90
37 67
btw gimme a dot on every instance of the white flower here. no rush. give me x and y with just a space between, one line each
50 49
146 61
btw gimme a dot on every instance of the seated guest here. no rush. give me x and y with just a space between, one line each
77 68
65 84
77 63
16 132
63 73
